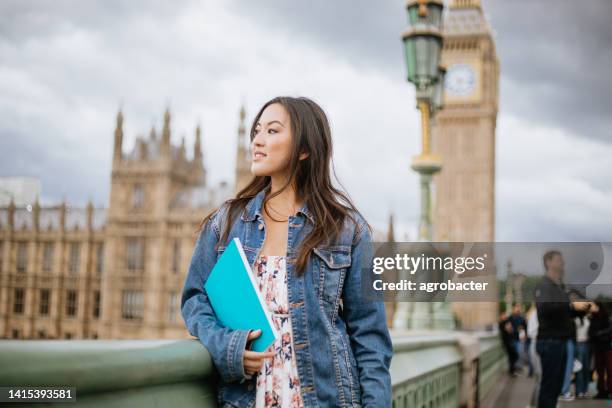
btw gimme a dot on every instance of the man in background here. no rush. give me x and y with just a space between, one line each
556 326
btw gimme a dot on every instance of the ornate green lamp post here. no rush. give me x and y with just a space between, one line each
422 47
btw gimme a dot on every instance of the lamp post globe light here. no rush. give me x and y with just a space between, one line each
422 47
423 41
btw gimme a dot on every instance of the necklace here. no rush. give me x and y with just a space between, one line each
272 208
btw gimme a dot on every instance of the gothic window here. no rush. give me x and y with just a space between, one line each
99 258
19 301
47 256
73 265
71 303
22 256
133 305
138 196
173 307
176 256
43 306
96 304
135 254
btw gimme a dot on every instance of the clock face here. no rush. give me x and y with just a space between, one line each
460 79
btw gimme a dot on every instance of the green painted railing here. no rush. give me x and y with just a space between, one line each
492 363
427 371
451 369
113 373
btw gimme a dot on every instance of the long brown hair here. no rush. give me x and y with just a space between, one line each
311 177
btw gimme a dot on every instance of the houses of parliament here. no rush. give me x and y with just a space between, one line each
116 272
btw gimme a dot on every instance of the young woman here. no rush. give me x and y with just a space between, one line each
307 245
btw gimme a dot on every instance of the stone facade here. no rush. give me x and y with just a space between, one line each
113 272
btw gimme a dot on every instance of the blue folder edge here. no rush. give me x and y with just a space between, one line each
268 334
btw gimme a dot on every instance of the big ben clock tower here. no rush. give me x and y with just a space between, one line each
464 132
464 137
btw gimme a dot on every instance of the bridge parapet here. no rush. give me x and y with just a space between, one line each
434 370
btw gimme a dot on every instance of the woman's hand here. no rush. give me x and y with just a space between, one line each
253 360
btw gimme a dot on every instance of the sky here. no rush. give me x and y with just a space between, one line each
66 67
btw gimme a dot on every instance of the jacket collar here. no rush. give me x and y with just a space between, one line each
253 208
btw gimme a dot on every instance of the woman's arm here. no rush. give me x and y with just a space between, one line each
367 328
226 346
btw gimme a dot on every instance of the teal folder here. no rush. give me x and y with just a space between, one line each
235 297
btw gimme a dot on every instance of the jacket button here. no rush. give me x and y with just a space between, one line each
260 227
250 386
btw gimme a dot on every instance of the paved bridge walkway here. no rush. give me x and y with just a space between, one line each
515 392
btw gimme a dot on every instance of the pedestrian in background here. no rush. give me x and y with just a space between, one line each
600 336
532 333
505 332
518 326
555 327
583 376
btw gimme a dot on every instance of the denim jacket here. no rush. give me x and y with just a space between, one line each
341 341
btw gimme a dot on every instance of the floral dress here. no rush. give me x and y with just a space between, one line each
278 384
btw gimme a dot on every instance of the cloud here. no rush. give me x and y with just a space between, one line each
555 57
66 67
364 33
552 185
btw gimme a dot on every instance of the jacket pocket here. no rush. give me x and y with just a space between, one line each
333 264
